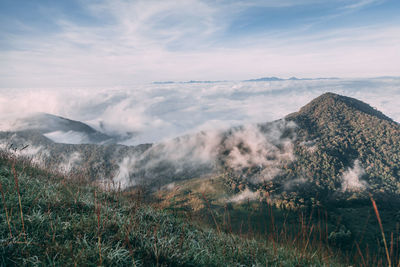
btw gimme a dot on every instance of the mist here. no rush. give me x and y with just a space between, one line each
180 158
68 137
351 178
69 162
36 154
245 195
153 113
266 147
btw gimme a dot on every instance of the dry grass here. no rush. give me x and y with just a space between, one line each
69 222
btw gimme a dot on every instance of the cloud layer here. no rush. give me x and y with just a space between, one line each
157 112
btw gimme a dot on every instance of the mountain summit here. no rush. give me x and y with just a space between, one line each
347 135
333 105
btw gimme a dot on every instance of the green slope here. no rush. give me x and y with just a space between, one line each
344 149
49 220
346 130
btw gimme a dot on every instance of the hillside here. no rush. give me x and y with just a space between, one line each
47 219
341 147
347 132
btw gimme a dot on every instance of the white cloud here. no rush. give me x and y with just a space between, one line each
185 157
122 180
295 182
179 40
69 162
70 137
199 154
245 195
351 178
35 154
250 146
362 3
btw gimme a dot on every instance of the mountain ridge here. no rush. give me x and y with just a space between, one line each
58 128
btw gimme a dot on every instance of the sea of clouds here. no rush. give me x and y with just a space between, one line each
192 124
150 113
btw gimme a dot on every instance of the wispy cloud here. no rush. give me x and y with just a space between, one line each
245 195
362 3
131 41
351 178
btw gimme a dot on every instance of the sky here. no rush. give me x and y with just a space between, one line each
106 43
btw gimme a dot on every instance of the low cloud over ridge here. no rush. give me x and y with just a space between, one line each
251 146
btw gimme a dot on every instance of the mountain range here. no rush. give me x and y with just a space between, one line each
263 79
59 129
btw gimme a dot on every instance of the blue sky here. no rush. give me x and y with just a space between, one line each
46 43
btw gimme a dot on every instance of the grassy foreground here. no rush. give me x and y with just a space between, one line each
48 219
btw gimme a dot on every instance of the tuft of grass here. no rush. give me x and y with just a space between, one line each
382 232
19 197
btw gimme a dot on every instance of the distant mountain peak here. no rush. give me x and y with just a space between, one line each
265 79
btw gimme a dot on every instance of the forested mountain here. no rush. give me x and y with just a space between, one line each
348 132
343 148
